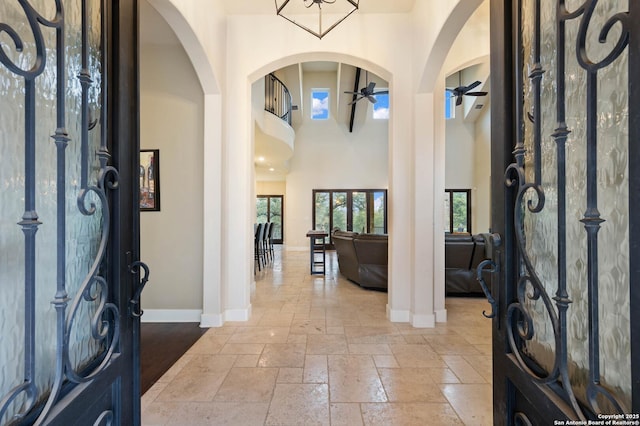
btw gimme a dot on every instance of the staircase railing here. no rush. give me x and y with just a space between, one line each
277 99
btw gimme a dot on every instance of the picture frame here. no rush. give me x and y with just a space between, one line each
149 176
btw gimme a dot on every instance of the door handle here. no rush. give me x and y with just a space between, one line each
491 241
134 303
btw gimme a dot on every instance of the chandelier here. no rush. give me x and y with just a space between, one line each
316 20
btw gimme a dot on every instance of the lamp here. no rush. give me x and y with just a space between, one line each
329 13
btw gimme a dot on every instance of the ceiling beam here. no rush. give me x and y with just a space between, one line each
353 105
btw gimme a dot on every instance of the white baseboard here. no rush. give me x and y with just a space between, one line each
211 320
238 314
441 315
171 315
423 321
395 315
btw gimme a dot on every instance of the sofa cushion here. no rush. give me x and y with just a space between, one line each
347 259
372 252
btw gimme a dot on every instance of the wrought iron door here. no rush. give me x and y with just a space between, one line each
68 212
566 192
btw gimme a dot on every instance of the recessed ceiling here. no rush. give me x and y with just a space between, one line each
253 7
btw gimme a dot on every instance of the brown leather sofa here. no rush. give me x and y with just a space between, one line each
363 258
462 255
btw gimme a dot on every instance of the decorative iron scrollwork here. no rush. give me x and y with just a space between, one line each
30 220
530 197
103 327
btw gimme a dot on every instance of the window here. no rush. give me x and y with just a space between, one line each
449 105
363 211
457 210
269 209
381 107
319 104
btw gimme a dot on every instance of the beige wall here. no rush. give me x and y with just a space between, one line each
271 188
171 120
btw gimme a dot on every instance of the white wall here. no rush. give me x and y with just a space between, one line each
468 160
388 44
328 156
171 120
481 203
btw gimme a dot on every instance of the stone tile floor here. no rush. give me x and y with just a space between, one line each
319 350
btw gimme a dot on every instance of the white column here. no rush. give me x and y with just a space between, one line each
422 312
401 201
212 314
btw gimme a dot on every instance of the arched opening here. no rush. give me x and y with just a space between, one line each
327 155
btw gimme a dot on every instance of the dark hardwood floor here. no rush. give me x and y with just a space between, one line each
161 345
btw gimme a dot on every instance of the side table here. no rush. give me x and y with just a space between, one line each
316 251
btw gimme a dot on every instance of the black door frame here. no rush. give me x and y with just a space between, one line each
122 18
113 395
540 399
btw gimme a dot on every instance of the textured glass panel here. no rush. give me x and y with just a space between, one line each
11 209
83 232
613 186
540 228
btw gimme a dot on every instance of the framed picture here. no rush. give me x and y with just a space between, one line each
149 180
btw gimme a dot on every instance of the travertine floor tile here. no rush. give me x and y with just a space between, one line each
405 414
472 402
354 378
326 344
320 351
345 414
410 385
282 355
219 414
461 368
248 385
316 369
303 404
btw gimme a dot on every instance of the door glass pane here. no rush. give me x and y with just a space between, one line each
275 216
460 206
378 212
540 229
340 211
262 210
322 211
82 238
359 203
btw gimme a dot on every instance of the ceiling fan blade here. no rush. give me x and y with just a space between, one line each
372 99
352 93
472 86
370 87
458 100
381 92
477 93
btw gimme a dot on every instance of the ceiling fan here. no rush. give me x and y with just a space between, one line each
461 90
367 92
